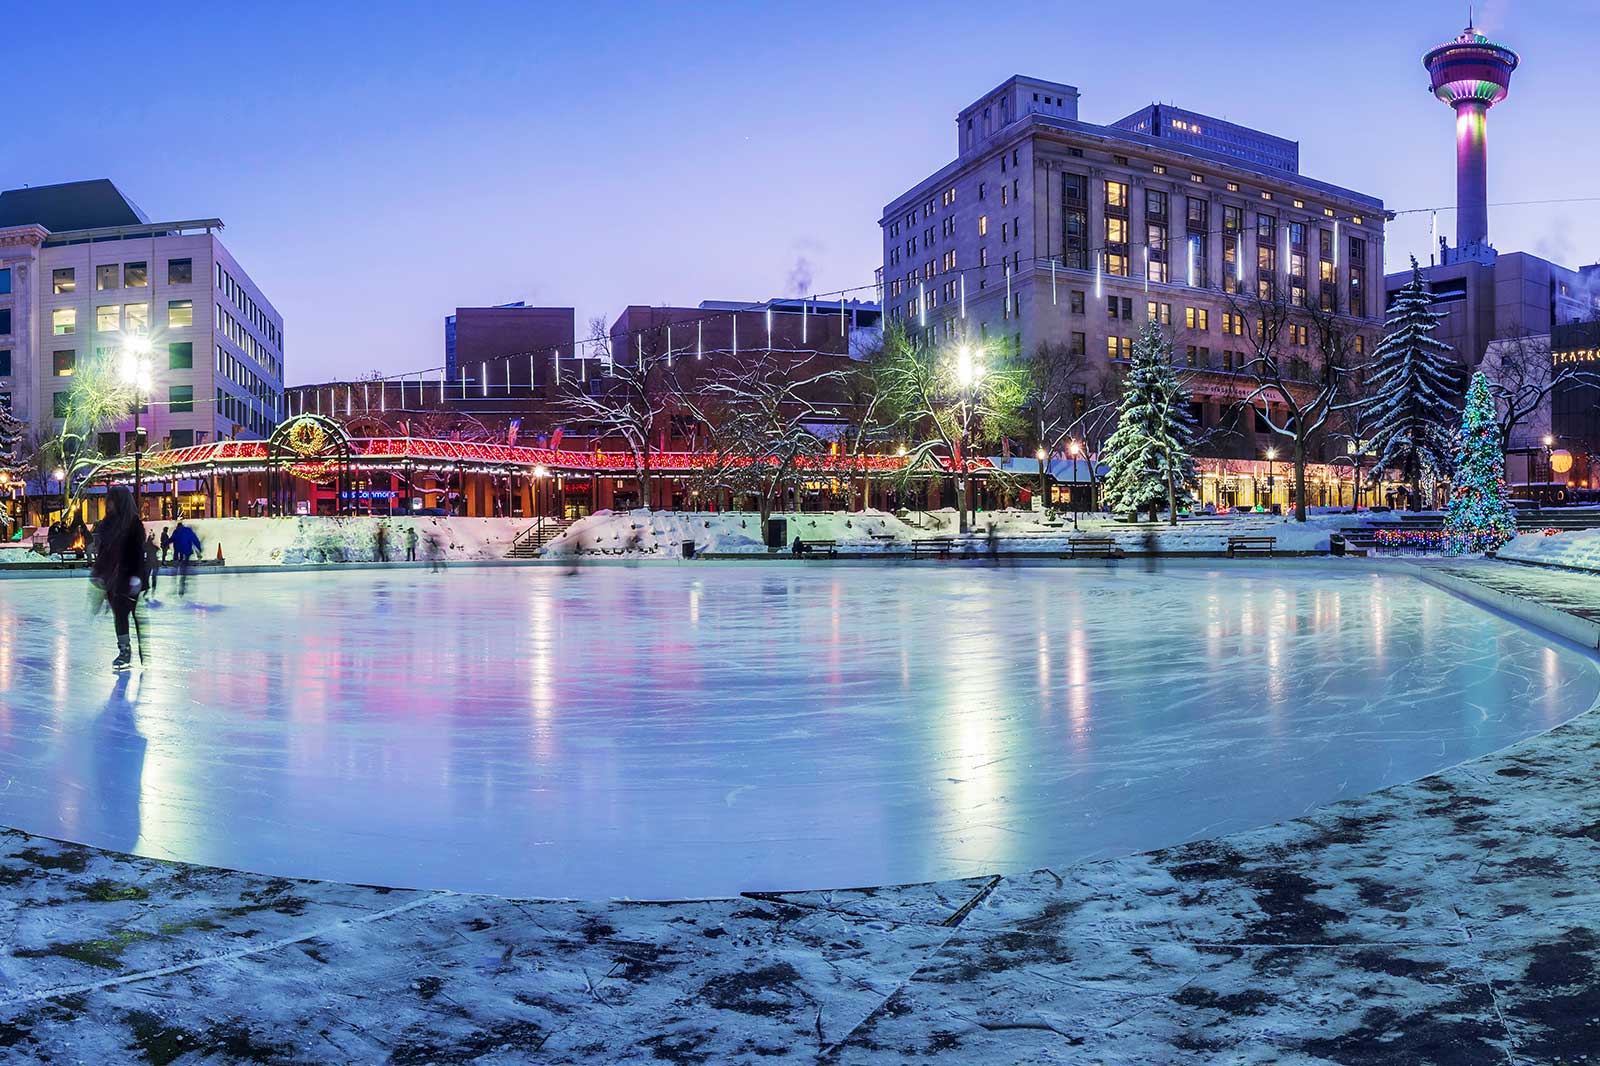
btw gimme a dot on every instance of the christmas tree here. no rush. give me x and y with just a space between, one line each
1479 517
13 463
1151 454
1414 379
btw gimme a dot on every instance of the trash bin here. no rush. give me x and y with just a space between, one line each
688 549
777 534
1336 544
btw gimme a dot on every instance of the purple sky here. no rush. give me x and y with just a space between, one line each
374 172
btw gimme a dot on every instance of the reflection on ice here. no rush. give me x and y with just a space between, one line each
711 728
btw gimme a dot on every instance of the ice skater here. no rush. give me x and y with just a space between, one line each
119 569
186 549
411 544
380 543
166 544
152 564
435 552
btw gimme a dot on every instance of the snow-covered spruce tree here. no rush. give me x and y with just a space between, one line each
1479 517
1413 378
1151 454
13 461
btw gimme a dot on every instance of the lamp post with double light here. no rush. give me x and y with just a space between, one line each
969 377
1073 449
1044 490
1272 455
134 370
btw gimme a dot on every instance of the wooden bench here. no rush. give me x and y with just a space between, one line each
1096 547
933 546
817 547
1251 544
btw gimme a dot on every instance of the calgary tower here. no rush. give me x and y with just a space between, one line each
1471 74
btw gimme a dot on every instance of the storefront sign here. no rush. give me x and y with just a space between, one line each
368 494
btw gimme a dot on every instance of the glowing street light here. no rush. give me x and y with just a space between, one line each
1073 448
134 369
1044 489
1272 455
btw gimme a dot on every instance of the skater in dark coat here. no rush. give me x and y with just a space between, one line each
119 567
152 559
166 544
186 547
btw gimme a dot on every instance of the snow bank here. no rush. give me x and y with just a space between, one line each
305 539
661 534
1579 549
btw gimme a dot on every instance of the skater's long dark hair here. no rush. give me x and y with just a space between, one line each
119 541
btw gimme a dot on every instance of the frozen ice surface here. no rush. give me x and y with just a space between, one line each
700 729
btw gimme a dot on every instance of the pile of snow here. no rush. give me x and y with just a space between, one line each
304 539
662 534
1579 549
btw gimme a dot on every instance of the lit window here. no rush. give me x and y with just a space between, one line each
136 317
180 271
1198 179
1159 169
983 225
135 275
63 280
64 363
1233 186
1300 203
108 318
64 320
105 276
1266 196
1328 212
180 313
1356 219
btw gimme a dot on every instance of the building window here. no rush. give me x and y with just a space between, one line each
136 317
5 321
180 271
1197 223
5 281
180 399
63 280
135 275
1197 318
1075 221
1160 313
63 321
983 225
65 362
181 438
106 277
1359 341
108 318
59 403
180 355
1075 301
180 313
5 362
1079 345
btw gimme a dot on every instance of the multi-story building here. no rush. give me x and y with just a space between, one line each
83 271
1049 229
514 338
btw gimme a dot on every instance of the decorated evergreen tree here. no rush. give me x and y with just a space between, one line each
1479 517
13 463
1151 454
1413 378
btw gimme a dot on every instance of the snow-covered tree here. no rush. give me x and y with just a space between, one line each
1414 379
1479 517
1151 454
13 445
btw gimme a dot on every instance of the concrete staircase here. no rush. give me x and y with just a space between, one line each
530 543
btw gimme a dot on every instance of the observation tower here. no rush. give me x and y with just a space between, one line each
1471 74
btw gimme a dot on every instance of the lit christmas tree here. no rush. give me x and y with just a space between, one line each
13 463
1414 379
1151 455
1479 517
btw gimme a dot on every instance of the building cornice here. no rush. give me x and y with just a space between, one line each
31 235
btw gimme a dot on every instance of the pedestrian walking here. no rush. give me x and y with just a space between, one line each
381 543
186 549
119 568
411 544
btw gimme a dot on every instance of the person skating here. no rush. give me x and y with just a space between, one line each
119 566
152 563
381 543
411 544
166 544
186 548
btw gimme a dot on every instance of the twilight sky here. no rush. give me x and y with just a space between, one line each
376 171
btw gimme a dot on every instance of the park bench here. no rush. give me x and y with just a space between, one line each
1251 544
933 546
1096 547
818 547
881 536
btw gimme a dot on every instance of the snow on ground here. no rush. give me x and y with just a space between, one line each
661 534
1579 549
303 539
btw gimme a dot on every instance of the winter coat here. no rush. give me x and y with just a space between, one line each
117 564
185 542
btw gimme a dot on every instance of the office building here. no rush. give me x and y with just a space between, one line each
84 272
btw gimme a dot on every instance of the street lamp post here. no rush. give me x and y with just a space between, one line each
1272 454
1073 448
1044 491
135 371
969 372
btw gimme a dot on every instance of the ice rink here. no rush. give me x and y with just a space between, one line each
685 730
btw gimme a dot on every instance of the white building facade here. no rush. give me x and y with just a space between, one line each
70 296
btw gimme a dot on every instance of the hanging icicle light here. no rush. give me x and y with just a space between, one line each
1336 243
442 371
483 373
1147 268
1191 262
1053 300
922 306
736 334
699 340
669 347
1238 259
769 328
963 296
463 383
640 346
1099 282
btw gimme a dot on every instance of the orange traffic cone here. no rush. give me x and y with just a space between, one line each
220 559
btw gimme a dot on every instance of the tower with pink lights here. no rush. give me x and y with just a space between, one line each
1471 74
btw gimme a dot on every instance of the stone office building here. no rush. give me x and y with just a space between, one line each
1049 229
